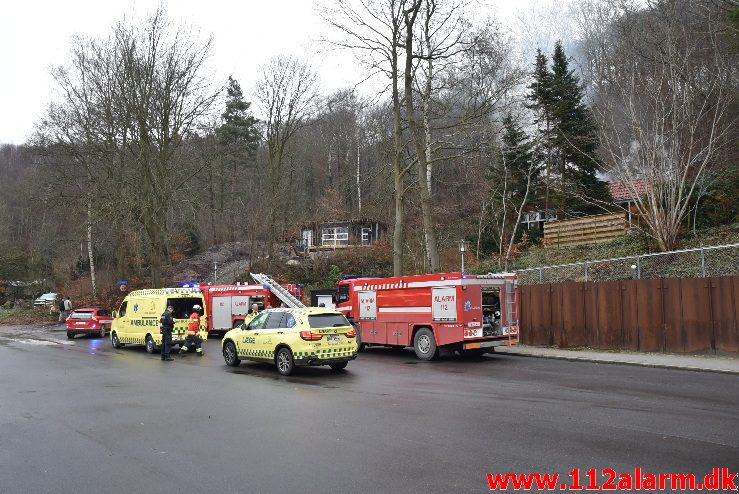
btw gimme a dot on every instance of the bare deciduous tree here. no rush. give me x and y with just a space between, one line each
286 92
129 103
666 114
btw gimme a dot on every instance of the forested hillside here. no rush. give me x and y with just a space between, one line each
143 160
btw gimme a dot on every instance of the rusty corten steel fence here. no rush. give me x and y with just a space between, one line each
678 315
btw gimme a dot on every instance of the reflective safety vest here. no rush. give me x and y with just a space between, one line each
193 324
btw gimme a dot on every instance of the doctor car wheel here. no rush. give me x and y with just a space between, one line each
284 361
339 366
114 340
230 355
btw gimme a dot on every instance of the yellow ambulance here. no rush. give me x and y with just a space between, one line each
136 322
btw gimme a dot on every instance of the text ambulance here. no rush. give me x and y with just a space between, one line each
469 313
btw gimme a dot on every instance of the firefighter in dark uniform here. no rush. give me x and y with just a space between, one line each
167 325
193 329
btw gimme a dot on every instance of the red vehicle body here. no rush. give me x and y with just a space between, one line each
228 305
90 321
469 313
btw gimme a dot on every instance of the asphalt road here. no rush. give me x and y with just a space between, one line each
81 417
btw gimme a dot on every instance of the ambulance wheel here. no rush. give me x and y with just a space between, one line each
230 355
114 340
338 366
150 347
284 361
424 344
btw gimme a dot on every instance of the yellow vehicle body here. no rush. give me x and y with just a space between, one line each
136 322
293 337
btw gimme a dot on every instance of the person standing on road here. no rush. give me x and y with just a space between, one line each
167 325
193 332
67 308
62 315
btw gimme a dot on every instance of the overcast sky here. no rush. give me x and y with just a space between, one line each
35 36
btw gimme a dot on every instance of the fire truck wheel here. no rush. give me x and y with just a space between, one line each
284 361
230 355
424 344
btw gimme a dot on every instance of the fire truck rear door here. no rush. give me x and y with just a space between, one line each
240 305
221 312
444 304
368 317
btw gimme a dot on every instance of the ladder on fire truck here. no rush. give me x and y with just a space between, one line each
279 290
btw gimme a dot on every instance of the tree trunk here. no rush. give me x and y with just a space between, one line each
359 183
398 171
89 247
419 142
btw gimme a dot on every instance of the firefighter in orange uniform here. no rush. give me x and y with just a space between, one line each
193 332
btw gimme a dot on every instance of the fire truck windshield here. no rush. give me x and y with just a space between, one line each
343 293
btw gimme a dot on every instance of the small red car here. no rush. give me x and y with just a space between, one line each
90 321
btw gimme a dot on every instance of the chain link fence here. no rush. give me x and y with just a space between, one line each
720 260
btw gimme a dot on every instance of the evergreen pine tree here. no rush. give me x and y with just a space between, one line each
239 127
567 136
540 98
517 154
574 132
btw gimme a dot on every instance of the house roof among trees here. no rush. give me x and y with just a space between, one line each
621 191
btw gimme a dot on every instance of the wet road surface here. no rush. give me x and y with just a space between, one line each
79 416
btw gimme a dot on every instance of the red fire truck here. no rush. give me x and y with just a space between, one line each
228 305
469 313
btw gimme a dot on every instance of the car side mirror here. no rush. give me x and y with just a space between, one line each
115 314
335 298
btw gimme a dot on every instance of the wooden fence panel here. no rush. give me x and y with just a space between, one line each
556 333
630 315
609 309
725 313
591 314
673 336
573 331
650 315
695 299
539 314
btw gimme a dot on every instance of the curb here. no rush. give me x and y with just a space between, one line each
623 362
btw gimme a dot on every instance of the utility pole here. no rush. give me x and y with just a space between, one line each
461 250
